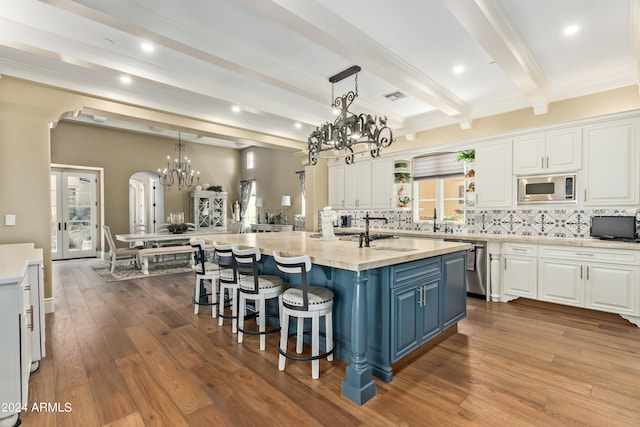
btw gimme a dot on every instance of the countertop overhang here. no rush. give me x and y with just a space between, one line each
342 254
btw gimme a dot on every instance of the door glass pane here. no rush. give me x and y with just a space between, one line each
79 218
54 214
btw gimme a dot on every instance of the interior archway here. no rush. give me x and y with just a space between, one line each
146 201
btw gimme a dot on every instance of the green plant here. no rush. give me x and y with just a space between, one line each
402 177
466 155
404 200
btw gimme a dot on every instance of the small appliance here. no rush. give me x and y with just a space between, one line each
614 227
345 221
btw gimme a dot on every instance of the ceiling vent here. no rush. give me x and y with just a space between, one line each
395 96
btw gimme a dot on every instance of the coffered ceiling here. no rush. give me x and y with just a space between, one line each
270 60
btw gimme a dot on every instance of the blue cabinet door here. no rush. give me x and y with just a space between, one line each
405 312
454 292
430 310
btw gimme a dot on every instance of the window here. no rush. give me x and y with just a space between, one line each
250 217
250 160
445 195
439 188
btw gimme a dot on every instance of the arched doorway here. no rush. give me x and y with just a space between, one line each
146 201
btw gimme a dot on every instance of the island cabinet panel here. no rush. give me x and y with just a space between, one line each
454 294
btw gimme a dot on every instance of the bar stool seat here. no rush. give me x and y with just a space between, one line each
228 284
205 270
302 301
257 288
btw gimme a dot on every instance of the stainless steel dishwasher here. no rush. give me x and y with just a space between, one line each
476 267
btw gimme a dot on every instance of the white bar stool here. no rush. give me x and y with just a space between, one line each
205 270
302 301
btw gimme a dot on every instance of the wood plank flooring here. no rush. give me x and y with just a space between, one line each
132 353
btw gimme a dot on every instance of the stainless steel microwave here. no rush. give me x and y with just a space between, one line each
547 189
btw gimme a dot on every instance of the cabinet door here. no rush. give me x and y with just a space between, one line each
405 312
382 184
612 288
219 212
611 165
429 325
336 186
529 154
561 282
562 152
454 288
519 277
494 179
357 185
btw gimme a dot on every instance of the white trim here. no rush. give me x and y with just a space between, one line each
48 305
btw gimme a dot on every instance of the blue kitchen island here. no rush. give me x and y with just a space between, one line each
390 299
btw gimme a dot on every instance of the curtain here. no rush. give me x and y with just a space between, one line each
245 195
437 166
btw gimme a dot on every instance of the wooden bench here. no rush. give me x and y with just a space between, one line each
145 253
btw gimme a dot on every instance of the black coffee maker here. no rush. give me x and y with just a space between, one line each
345 221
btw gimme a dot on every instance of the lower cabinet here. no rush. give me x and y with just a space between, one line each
427 297
599 279
415 314
519 275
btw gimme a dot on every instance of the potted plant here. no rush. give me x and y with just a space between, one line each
403 202
402 177
466 156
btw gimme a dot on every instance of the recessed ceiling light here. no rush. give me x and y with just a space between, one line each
297 125
125 79
147 47
458 69
571 30
235 109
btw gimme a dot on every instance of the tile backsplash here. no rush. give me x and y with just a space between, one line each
546 222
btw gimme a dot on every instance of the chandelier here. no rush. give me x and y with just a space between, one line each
350 134
180 171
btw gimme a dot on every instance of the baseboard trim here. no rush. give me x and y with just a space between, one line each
48 305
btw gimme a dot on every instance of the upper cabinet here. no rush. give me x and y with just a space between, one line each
611 163
366 184
494 177
547 152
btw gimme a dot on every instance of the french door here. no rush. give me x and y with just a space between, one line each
73 215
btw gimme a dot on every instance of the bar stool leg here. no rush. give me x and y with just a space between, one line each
315 345
261 323
234 310
223 292
196 297
284 337
214 298
242 308
299 334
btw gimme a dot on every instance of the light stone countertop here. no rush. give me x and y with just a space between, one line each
500 238
342 254
14 260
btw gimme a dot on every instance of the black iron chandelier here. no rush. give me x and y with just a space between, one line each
180 171
350 134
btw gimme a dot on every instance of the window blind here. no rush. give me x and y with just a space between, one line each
436 166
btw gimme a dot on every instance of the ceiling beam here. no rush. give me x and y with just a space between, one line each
489 24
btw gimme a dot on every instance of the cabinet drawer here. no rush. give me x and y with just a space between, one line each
519 249
613 256
413 271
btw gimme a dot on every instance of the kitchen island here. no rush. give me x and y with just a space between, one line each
390 298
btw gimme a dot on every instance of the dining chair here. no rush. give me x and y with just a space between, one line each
115 252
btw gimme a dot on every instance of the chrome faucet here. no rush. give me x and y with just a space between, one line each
364 237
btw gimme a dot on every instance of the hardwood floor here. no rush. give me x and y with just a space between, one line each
132 353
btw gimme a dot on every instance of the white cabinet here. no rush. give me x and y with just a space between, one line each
519 275
548 152
209 210
36 296
336 186
494 177
600 279
357 185
382 183
611 163
16 318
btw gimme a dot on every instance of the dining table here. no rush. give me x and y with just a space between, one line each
161 237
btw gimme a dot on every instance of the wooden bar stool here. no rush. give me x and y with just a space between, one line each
228 283
302 301
205 270
257 288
